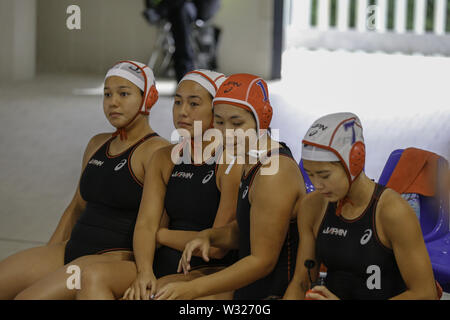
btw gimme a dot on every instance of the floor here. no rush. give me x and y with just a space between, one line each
45 124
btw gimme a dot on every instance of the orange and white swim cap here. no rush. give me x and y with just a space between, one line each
249 92
337 137
141 76
210 80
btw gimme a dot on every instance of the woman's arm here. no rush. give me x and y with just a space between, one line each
68 219
175 239
269 220
309 212
225 238
226 213
400 227
222 239
147 224
150 212
77 205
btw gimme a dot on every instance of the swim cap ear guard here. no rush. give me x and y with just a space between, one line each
258 97
152 97
141 76
357 158
340 134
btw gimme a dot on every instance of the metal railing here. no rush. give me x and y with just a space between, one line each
386 25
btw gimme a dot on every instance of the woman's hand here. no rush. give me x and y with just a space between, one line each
199 245
320 293
143 287
176 291
294 291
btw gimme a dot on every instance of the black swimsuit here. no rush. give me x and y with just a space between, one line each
274 284
112 194
191 202
358 265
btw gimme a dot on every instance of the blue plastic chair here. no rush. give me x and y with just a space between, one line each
439 251
308 184
434 219
434 211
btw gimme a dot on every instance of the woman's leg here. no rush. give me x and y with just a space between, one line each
55 286
194 274
21 270
107 280
110 280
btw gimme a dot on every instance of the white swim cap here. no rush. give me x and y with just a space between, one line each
141 76
210 80
313 153
337 137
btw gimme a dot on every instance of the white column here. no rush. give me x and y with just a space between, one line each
400 16
420 11
440 14
343 14
324 15
301 14
382 12
362 15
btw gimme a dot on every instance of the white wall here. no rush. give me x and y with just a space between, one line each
18 39
112 30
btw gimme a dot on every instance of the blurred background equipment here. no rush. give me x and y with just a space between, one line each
186 38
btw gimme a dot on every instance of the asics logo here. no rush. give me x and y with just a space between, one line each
208 177
134 68
120 165
315 129
232 85
366 237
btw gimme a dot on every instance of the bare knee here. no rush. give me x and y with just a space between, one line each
94 284
91 277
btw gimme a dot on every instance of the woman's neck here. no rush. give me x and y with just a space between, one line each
137 129
198 147
359 195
